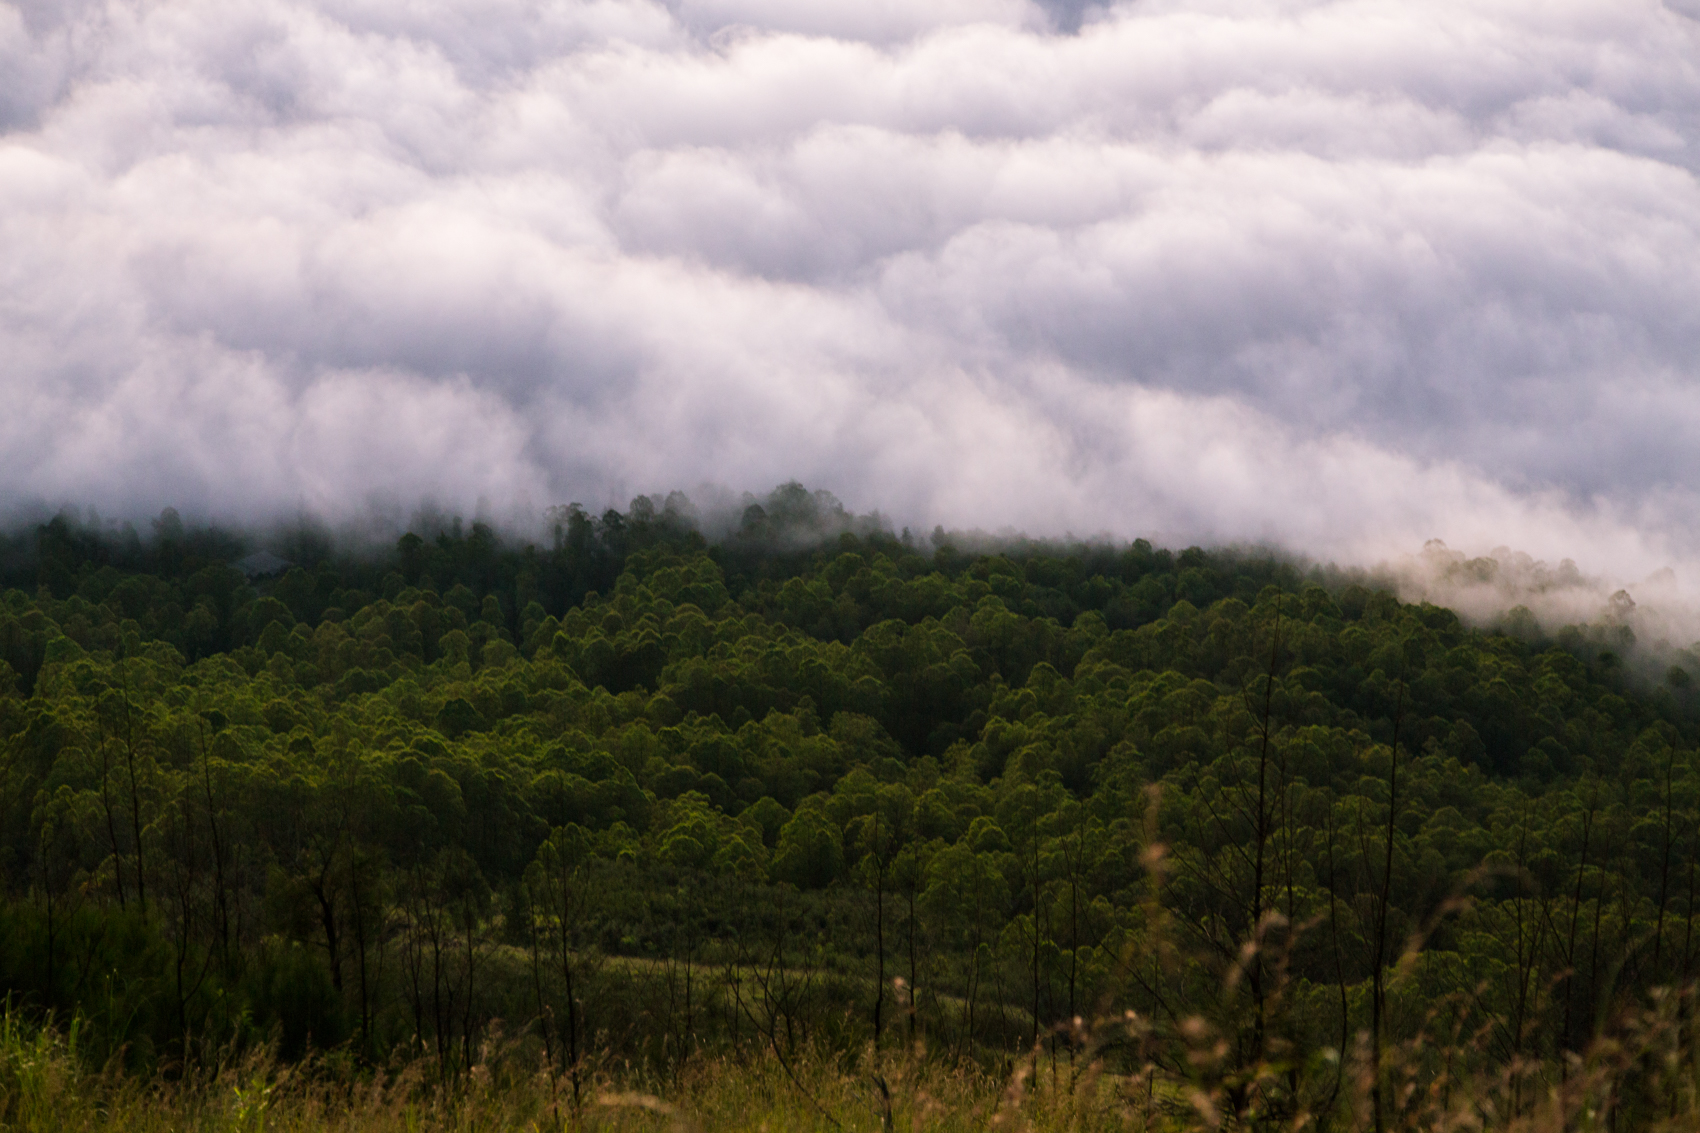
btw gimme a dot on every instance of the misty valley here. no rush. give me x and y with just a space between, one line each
812 824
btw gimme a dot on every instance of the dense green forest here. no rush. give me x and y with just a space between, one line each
631 795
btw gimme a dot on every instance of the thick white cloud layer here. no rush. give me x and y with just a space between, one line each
1344 274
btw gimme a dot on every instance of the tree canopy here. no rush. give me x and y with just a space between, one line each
635 792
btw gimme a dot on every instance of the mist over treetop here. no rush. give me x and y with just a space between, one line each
207 574
1340 275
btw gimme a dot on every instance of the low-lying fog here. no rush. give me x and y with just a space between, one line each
1339 275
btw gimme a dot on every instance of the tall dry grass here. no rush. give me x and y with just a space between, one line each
1127 1073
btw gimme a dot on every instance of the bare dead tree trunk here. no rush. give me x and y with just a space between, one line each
1339 972
221 889
1570 943
357 913
879 931
1664 869
135 789
107 810
1035 1040
1378 1001
1261 834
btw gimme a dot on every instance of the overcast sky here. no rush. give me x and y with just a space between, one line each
1344 275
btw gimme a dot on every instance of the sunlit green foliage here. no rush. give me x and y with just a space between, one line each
636 796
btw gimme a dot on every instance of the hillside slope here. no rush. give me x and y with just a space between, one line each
840 793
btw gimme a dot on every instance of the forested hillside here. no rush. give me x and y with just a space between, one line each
637 796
